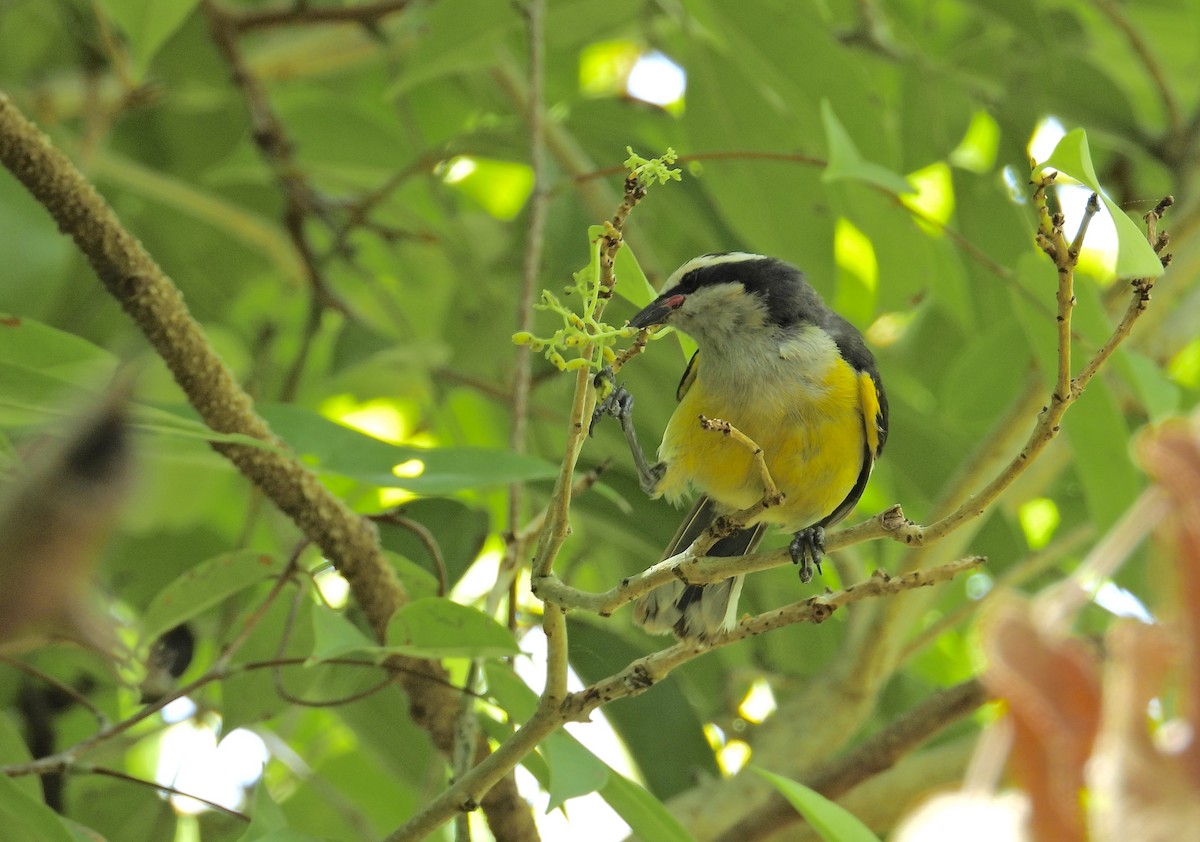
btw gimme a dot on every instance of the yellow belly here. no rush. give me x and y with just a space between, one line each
812 439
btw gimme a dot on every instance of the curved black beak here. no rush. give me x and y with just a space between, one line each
657 311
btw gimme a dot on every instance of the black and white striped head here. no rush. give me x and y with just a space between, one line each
716 297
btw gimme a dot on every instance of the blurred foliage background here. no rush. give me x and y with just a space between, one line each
344 200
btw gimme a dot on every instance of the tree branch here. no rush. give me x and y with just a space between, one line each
156 305
875 755
637 678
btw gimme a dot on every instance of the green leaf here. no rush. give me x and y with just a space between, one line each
334 635
632 283
435 627
29 397
1158 394
266 817
181 422
41 368
203 586
646 816
846 162
653 724
285 834
35 345
453 42
418 580
574 770
338 449
251 696
831 821
27 819
13 750
458 530
1135 257
1110 481
512 694
148 24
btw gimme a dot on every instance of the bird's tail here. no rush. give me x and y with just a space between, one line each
697 612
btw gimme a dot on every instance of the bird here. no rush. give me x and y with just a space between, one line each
787 371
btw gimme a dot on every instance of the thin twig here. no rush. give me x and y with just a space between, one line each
530 272
891 523
67 690
1032 565
364 14
121 776
634 680
1149 61
428 541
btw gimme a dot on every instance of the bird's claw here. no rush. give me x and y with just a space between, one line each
618 402
807 548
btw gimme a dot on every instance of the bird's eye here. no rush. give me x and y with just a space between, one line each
688 283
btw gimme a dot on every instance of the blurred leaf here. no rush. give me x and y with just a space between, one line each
266 817
26 819
507 688
418 579
204 585
338 449
1158 394
1110 481
632 284
148 24
254 231
284 835
334 635
13 751
283 632
438 628
32 344
455 42
646 816
831 821
846 162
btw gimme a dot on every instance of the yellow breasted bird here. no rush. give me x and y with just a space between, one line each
787 371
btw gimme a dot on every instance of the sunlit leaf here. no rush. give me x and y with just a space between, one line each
338 449
1135 257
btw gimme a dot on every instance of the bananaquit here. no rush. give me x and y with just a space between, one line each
784 369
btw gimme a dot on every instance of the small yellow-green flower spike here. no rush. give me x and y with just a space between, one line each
649 170
579 330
